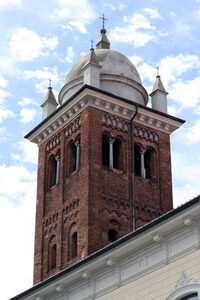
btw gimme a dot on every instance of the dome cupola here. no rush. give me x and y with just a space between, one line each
106 69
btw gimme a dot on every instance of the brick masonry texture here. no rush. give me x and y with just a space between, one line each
95 199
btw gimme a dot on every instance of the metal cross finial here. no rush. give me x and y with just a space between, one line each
103 19
157 71
50 82
92 43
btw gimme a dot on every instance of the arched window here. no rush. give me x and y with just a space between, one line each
185 289
52 250
74 155
111 151
137 151
148 163
74 245
105 150
53 170
143 162
53 257
117 153
112 235
113 231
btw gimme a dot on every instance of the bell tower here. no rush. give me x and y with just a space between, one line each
104 160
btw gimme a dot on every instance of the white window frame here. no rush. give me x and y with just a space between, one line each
184 291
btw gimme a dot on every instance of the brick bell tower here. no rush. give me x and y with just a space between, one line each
104 164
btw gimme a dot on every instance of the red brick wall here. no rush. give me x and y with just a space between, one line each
95 198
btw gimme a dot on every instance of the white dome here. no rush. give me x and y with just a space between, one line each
117 76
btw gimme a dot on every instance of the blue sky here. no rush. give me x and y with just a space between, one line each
43 39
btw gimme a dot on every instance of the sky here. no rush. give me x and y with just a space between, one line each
42 40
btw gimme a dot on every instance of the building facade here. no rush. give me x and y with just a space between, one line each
159 261
105 227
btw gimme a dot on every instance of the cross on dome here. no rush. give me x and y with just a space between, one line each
157 71
103 42
103 19
92 43
50 81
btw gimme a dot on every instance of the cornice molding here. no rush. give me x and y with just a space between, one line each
92 98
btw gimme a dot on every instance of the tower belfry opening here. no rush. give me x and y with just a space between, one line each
85 199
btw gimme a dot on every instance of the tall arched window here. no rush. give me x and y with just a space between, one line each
52 253
74 245
111 151
143 162
74 155
117 153
53 170
137 151
105 150
53 257
148 163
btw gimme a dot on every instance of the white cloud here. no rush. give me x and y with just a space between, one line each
70 55
172 66
5 113
186 178
27 101
197 109
109 5
75 10
10 2
135 59
26 45
146 71
184 194
193 133
172 14
27 115
79 26
173 110
28 152
7 67
130 35
139 21
197 14
3 135
3 95
3 82
42 76
132 32
50 43
121 6
152 12
18 176
186 94
17 215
